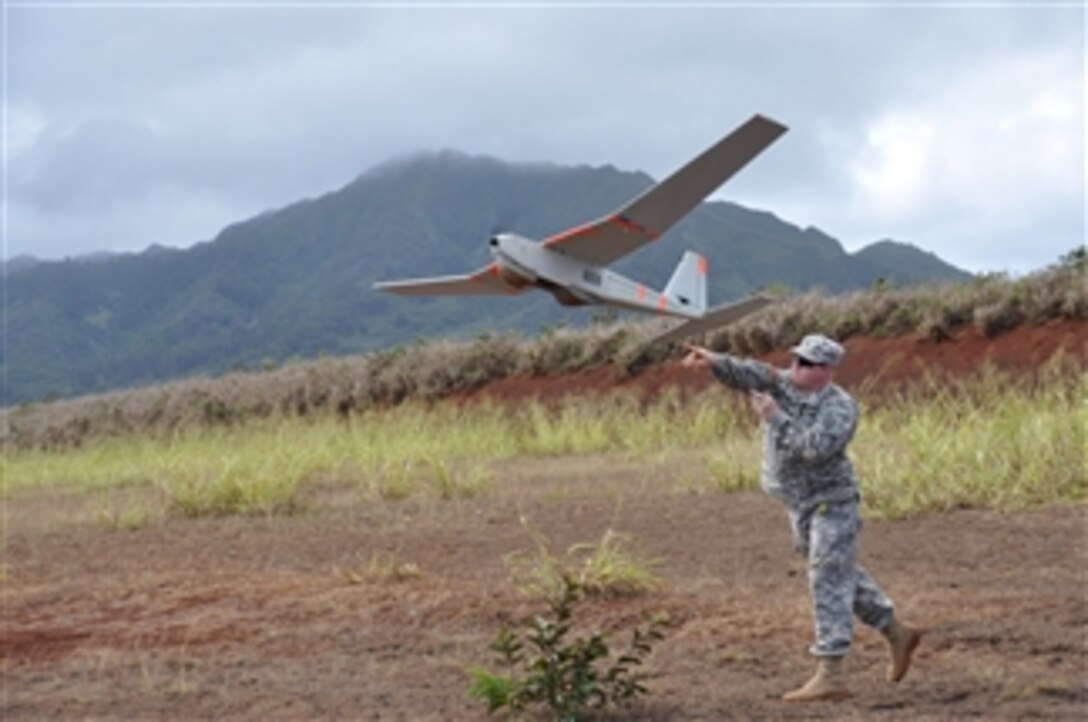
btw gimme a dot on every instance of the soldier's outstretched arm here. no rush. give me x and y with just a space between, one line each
740 374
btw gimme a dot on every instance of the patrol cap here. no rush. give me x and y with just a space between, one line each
819 349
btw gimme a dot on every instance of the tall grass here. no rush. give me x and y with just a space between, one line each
408 441
993 441
258 467
620 422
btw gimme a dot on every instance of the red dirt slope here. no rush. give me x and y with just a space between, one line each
883 363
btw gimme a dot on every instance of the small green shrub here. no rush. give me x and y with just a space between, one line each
566 676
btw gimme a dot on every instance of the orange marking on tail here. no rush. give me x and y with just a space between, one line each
702 265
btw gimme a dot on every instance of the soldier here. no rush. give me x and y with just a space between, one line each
807 423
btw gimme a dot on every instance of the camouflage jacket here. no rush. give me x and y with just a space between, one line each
804 443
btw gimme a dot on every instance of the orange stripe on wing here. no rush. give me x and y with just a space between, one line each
661 301
490 270
630 226
586 229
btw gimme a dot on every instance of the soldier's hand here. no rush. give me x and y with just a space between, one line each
763 404
697 357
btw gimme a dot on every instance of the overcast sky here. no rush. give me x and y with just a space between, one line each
960 130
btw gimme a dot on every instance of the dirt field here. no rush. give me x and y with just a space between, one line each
274 619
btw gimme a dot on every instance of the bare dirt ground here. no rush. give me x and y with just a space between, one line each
276 619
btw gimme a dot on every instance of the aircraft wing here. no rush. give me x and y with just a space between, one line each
713 319
484 282
655 211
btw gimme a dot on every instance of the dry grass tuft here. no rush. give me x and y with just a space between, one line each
602 569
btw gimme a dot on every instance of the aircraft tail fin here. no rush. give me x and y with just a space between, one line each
688 283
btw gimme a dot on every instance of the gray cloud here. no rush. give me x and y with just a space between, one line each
960 130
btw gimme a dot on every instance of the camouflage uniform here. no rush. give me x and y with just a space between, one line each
805 467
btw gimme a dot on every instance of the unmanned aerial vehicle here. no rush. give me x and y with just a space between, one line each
572 265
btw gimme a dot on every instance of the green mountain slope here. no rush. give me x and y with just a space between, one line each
295 282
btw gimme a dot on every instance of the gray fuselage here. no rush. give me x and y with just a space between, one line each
524 262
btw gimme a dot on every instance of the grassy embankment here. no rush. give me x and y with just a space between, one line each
434 370
247 443
992 441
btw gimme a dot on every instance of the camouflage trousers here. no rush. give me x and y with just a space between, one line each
827 537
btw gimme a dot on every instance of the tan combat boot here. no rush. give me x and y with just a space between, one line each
828 684
902 641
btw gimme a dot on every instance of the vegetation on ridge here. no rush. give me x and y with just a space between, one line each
430 371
